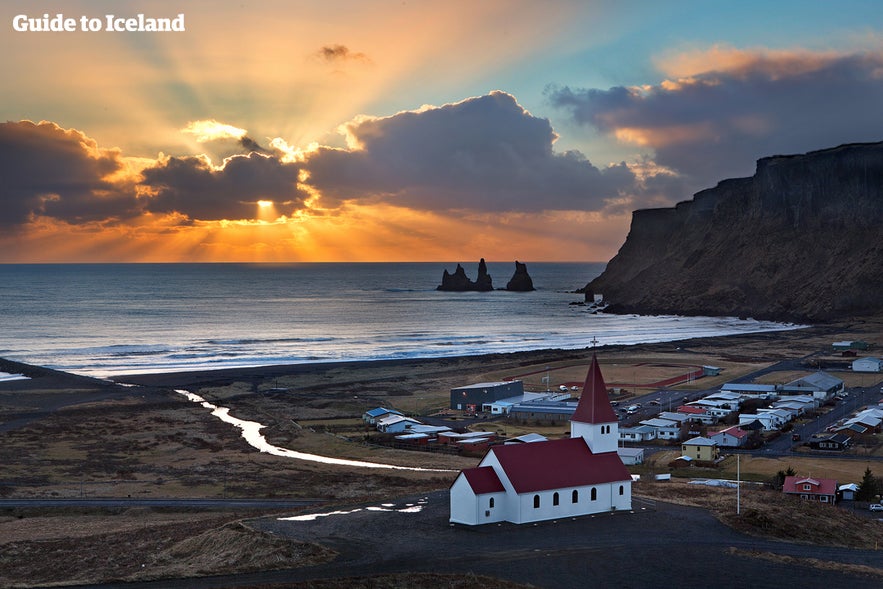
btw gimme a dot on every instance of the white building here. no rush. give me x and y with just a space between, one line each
867 365
569 477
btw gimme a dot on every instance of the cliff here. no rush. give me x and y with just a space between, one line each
801 240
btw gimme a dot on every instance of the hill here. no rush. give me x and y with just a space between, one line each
801 240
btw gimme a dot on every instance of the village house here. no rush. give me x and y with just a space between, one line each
394 424
750 390
719 409
868 364
821 385
811 489
767 420
666 429
698 414
732 437
638 433
702 449
838 442
372 415
545 480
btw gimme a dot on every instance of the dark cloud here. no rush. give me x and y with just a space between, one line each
61 173
338 53
717 124
191 186
484 153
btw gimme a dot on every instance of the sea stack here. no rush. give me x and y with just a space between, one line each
459 282
521 280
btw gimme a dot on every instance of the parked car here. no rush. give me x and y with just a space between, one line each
875 507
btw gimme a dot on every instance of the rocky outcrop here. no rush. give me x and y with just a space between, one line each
521 280
459 282
800 240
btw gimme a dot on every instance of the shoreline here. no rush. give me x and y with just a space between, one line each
262 373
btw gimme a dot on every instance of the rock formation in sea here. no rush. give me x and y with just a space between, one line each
801 240
459 282
521 280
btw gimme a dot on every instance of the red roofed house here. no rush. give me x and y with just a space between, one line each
811 489
575 476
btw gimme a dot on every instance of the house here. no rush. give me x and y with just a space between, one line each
732 437
569 477
753 391
719 409
733 397
694 413
767 420
811 489
474 397
543 410
372 415
820 385
867 365
639 433
847 492
526 439
800 404
631 456
833 442
679 418
665 428
700 448
851 345
394 424
779 416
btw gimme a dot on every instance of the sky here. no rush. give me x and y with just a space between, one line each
368 130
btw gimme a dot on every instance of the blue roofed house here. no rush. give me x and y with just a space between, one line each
372 415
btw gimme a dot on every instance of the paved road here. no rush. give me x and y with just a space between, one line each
111 502
655 545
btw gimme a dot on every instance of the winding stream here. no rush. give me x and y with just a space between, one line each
251 432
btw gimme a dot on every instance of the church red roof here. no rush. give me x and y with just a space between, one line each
483 479
558 464
594 404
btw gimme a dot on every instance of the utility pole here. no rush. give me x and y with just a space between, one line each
738 487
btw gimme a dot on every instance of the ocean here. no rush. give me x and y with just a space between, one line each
110 319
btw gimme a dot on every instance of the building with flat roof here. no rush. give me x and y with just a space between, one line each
474 397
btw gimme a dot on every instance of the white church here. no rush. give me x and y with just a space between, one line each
580 475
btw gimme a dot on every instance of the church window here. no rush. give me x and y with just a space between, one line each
594 494
574 497
621 490
491 503
555 499
536 501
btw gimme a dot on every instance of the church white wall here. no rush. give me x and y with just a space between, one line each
464 503
471 509
606 496
600 437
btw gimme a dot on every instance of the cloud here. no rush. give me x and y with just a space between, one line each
46 170
340 53
483 153
732 107
193 187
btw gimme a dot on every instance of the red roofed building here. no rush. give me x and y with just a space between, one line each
811 488
569 477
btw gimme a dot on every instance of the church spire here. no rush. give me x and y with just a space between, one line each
594 404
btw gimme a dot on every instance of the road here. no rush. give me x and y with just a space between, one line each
656 544
186 503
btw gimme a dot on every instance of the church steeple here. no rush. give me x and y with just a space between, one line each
594 418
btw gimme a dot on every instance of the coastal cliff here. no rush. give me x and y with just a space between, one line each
801 240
